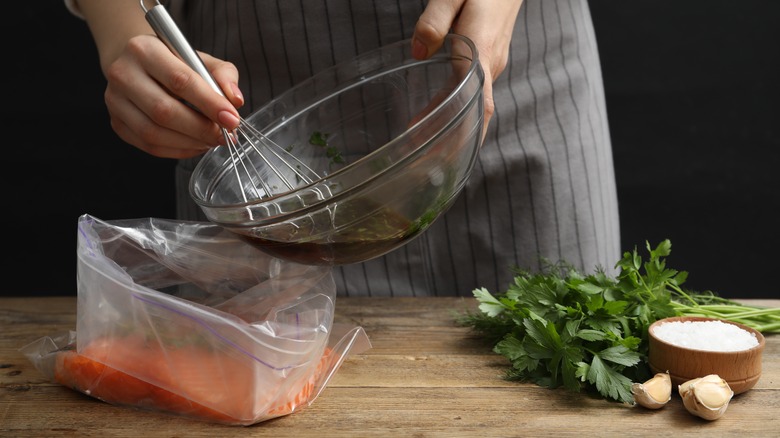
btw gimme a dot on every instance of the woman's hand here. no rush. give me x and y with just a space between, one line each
148 85
488 23
151 96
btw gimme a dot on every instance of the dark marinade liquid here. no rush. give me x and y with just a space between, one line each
365 239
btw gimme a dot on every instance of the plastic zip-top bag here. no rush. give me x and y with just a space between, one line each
186 318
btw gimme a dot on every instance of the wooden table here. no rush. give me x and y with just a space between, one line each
423 377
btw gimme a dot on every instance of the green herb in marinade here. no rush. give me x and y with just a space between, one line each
321 139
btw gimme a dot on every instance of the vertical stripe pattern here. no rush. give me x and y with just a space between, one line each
543 187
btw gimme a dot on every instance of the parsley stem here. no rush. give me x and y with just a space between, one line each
763 319
736 311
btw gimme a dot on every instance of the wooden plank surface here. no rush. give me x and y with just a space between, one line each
424 376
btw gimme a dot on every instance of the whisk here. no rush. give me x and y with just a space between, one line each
291 171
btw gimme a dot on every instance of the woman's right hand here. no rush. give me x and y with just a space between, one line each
148 85
151 96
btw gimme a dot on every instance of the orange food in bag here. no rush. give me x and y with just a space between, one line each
187 380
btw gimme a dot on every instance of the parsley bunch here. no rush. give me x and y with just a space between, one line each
563 328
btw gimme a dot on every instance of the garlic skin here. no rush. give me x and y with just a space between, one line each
654 393
706 397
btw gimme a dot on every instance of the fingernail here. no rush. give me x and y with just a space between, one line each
419 51
228 120
237 93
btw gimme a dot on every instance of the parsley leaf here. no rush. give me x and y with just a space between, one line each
608 381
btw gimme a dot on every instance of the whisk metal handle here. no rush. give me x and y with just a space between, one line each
167 30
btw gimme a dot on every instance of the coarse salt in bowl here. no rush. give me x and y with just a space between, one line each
689 347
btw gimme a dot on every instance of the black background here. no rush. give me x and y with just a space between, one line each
692 96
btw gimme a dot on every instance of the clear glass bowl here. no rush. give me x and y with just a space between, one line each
398 138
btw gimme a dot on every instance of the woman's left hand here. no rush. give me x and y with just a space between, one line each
488 23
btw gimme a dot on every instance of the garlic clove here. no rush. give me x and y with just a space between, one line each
654 393
707 397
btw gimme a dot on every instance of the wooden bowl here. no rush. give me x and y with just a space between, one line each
741 369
